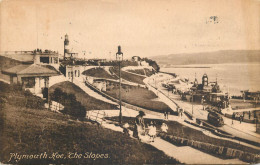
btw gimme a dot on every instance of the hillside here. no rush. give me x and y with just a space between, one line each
90 103
6 63
217 57
33 131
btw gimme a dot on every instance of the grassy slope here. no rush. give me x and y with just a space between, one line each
144 71
128 76
137 71
33 131
98 72
6 63
180 130
139 96
89 102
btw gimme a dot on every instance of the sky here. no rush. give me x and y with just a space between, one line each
142 27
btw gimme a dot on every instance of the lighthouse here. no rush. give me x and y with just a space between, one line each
66 45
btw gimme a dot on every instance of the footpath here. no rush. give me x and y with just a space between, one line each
79 82
184 154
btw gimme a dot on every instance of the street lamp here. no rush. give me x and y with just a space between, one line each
203 102
192 102
119 58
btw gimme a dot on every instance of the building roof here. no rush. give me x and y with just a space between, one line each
26 56
33 70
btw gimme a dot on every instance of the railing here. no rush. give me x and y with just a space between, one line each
56 107
96 116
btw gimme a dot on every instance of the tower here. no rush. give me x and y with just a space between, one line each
205 80
195 81
66 45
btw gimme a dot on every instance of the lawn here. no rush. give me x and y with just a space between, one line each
145 71
98 72
86 100
180 130
137 71
128 76
32 131
138 96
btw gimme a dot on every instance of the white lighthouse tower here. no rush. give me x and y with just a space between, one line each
66 46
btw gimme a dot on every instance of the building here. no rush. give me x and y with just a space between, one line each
46 57
204 87
136 58
67 51
210 93
247 95
33 77
73 71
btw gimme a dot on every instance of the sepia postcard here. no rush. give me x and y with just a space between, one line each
129 82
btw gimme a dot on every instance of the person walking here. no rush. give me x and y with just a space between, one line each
152 131
164 128
167 113
233 118
139 125
181 111
125 129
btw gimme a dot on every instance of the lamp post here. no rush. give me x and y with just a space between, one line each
203 102
192 102
119 58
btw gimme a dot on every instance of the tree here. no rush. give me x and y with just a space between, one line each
153 64
69 101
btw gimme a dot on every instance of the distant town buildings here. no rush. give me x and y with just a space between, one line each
247 95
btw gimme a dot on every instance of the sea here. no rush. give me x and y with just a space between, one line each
232 77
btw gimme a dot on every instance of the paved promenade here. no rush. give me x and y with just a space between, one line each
243 130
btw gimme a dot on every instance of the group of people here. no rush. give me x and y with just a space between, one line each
238 116
140 128
180 111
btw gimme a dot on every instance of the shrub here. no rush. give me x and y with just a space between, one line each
69 101
14 94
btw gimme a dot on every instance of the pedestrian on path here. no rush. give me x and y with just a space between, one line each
240 119
152 131
139 125
125 129
181 111
165 113
233 117
164 127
